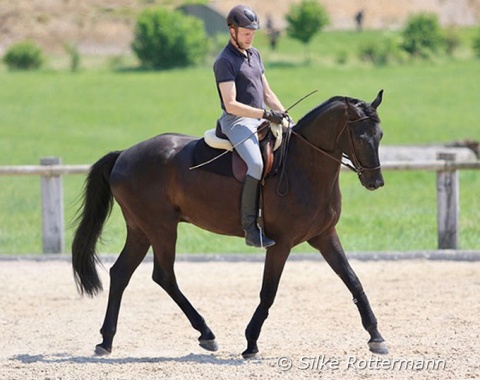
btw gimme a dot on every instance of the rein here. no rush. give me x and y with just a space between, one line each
357 167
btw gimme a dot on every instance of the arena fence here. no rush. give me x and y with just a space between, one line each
51 171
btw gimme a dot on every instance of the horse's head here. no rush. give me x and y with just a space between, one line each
346 127
359 140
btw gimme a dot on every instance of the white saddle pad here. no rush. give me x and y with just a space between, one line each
216 142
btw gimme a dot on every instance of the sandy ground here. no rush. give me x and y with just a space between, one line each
428 311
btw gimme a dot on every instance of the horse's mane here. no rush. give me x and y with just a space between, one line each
367 109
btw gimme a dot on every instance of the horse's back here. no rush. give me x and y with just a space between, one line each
154 177
150 157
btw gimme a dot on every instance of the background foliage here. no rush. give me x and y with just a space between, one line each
25 55
423 36
305 20
81 116
164 39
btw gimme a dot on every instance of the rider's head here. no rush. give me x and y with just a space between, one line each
242 22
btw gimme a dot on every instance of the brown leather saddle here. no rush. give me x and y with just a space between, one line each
231 164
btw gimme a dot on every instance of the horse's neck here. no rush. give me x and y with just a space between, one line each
322 130
319 157
313 173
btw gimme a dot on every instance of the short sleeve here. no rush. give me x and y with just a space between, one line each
223 70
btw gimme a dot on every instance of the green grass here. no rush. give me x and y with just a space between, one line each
81 116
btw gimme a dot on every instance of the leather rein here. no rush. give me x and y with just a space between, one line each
357 167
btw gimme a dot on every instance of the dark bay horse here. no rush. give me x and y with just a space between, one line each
155 189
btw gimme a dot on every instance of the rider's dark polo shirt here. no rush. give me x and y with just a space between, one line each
245 70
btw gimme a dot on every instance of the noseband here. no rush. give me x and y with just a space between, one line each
357 167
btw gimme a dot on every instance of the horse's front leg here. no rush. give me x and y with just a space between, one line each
274 264
331 249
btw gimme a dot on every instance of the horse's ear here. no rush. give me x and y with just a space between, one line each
351 111
378 100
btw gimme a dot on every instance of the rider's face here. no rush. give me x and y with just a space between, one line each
245 37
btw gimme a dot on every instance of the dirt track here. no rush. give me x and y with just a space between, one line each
428 312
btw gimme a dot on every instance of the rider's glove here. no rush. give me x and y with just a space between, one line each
289 120
273 116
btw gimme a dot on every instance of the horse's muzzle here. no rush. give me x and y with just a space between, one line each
372 180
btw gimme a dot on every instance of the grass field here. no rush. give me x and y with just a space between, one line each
81 116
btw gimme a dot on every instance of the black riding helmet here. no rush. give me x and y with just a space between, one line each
244 17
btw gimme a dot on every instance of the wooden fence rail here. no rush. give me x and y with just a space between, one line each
51 171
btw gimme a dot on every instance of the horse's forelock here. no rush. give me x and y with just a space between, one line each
366 108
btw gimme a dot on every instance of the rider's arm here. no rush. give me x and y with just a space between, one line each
232 106
269 96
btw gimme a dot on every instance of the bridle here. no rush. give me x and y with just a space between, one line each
356 165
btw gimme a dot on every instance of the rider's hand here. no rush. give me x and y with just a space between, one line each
290 121
273 116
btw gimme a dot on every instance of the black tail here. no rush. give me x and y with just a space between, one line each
96 207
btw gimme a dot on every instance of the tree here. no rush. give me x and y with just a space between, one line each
423 36
305 20
165 39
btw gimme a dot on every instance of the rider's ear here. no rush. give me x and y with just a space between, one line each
378 100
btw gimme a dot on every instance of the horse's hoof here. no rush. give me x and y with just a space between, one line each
100 351
378 347
209 345
248 354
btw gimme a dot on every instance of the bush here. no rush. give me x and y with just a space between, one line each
452 41
476 44
75 57
374 53
423 36
165 39
341 57
382 52
24 56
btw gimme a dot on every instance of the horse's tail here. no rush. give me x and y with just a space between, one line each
96 207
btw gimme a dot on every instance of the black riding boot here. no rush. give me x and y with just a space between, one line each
249 207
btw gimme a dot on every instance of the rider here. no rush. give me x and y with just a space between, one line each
244 94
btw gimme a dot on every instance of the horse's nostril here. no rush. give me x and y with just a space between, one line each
374 185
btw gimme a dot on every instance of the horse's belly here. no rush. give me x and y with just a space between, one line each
210 202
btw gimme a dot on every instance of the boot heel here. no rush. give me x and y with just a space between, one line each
265 242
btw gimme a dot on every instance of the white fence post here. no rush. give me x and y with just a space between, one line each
52 209
448 204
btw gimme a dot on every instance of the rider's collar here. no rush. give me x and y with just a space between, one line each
232 47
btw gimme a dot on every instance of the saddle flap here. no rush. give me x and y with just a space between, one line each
270 140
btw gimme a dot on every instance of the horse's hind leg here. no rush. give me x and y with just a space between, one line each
134 251
332 251
164 275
